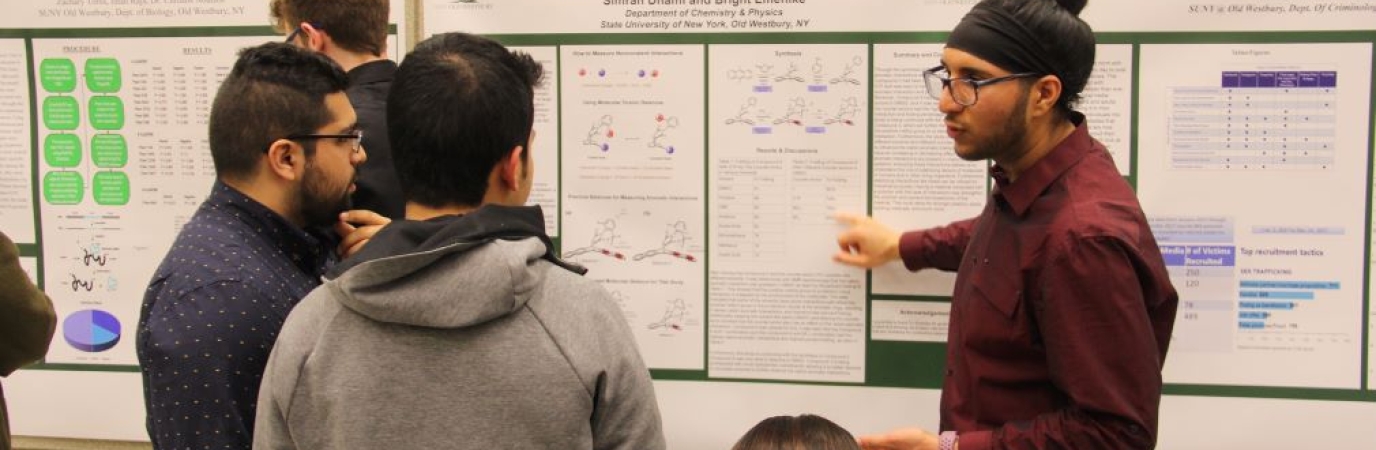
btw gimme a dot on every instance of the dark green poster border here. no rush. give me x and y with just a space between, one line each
706 212
1366 250
36 249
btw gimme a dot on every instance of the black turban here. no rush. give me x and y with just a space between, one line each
992 32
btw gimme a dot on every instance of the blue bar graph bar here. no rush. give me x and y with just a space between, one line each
1280 295
1268 284
1261 315
1266 305
1248 325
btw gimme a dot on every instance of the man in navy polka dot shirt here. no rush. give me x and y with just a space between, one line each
285 142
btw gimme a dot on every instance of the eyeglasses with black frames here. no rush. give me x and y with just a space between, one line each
291 38
355 135
964 91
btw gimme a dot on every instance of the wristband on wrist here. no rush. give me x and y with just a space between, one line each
947 440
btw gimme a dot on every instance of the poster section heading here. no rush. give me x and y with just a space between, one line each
115 14
30 14
776 16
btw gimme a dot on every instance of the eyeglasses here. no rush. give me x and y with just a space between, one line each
964 91
291 38
355 135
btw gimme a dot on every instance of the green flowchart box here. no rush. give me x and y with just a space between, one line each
103 75
61 113
110 188
63 188
57 75
62 150
109 151
107 112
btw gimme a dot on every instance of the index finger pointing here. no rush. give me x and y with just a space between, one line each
846 218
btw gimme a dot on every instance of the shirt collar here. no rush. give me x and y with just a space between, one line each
372 72
310 251
1020 195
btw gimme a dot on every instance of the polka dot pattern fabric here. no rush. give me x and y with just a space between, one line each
211 314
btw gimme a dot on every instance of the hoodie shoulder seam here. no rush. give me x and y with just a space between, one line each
562 352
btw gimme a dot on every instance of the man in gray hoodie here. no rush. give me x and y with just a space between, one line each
459 327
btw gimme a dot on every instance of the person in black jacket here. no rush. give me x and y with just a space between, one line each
353 33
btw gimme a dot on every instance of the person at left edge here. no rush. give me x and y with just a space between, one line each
285 142
27 322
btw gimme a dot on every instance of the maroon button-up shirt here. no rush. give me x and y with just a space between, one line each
1062 310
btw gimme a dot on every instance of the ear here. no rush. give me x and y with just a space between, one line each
513 168
315 38
286 160
1046 91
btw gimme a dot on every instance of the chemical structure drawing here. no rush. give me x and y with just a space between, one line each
762 71
848 74
743 115
662 127
845 115
600 134
818 71
601 73
604 240
791 74
674 244
797 110
652 73
674 313
623 304
739 75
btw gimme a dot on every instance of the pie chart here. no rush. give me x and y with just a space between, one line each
91 330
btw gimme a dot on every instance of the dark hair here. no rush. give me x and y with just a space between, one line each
804 432
356 25
1066 39
274 90
459 103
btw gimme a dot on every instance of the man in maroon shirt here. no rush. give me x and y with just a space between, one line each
1062 310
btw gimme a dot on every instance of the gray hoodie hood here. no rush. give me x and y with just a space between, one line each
451 271
453 333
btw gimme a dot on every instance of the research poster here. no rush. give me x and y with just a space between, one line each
632 188
16 164
1273 273
787 125
104 152
124 163
732 132
544 145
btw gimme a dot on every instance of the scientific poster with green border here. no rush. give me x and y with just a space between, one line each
1232 120
105 150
